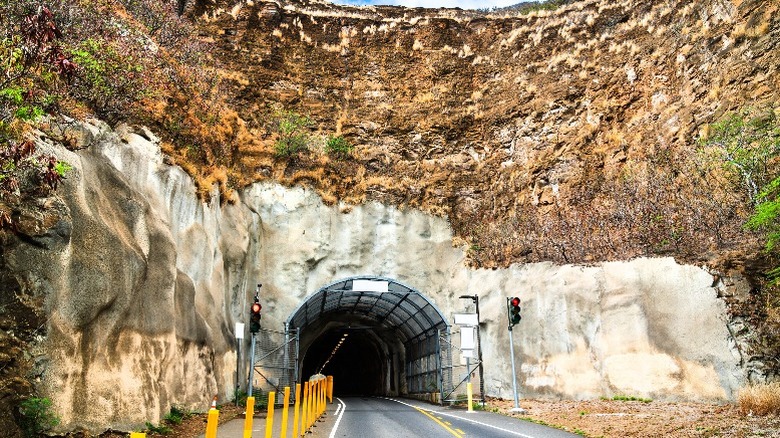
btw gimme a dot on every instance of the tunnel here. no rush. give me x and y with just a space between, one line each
374 335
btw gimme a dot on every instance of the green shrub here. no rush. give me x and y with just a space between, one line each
161 429
176 415
293 130
37 416
631 398
338 146
110 81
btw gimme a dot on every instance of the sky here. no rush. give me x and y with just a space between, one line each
464 4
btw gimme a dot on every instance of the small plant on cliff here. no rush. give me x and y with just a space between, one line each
338 146
293 131
37 416
748 143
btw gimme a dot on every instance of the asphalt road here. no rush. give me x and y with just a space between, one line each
401 418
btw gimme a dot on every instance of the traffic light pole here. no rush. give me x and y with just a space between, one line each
252 367
513 315
514 373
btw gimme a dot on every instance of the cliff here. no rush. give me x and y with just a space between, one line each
523 130
143 284
558 155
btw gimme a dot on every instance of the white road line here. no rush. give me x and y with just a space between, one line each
342 407
512 432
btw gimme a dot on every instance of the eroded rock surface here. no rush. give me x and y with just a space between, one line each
144 290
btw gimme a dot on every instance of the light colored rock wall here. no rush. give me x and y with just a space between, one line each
146 286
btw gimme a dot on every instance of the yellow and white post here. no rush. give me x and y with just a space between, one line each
213 420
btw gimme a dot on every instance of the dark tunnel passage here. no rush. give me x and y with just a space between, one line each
358 364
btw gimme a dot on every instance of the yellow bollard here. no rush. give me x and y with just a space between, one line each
269 421
330 389
323 395
295 410
284 410
317 400
250 414
304 409
309 405
211 424
470 393
137 435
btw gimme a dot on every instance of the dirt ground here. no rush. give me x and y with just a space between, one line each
618 419
594 418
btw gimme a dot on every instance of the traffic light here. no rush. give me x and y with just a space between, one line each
254 316
513 310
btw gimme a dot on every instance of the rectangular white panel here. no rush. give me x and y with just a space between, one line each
370 285
467 338
465 319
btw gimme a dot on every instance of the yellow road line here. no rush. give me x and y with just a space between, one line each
456 434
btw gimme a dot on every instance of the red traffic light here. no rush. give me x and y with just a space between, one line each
515 302
256 307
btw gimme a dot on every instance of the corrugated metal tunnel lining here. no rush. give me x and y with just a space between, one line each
390 303
398 325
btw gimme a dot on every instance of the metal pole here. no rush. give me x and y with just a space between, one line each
479 355
238 363
252 367
441 367
517 407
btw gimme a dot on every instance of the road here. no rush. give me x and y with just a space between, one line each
401 418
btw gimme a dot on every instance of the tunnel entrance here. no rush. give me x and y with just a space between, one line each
375 335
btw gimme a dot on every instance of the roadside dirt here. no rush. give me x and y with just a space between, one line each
618 419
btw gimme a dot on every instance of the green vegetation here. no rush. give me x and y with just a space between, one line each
37 416
631 398
240 397
528 7
338 147
32 65
748 144
161 429
293 131
108 80
176 415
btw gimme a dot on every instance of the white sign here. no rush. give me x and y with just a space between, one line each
466 319
467 338
370 285
467 353
239 330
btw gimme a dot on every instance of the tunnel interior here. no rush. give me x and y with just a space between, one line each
357 362
365 331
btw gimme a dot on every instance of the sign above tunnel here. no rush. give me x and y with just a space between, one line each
370 285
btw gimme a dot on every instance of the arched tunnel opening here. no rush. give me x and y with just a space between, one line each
355 359
374 335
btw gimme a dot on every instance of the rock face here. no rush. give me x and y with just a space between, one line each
144 282
522 129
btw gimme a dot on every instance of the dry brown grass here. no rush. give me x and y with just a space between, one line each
760 399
